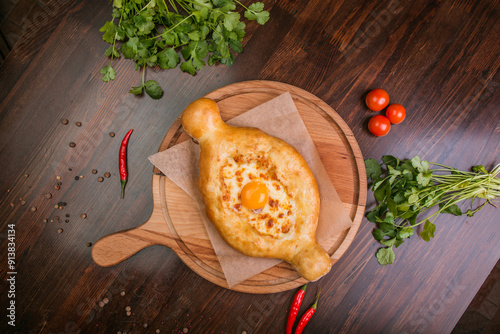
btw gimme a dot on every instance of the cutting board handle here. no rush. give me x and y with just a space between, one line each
117 247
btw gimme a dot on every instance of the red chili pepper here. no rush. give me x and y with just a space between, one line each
307 316
122 161
294 309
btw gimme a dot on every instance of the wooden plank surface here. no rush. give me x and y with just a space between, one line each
440 59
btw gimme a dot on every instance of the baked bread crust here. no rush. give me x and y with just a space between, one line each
220 143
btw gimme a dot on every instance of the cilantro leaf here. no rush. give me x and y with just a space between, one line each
406 214
382 191
188 66
168 58
130 48
144 24
120 33
373 170
152 60
374 215
421 165
194 35
428 231
385 256
424 178
453 209
201 14
222 3
408 166
137 90
389 160
153 90
171 38
235 46
256 12
201 4
413 199
194 53
129 29
391 204
399 198
109 30
405 232
388 242
262 17
398 242
231 20
393 171
225 5
415 161
127 51
112 51
108 73
408 175
256 7
239 31
386 227
378 234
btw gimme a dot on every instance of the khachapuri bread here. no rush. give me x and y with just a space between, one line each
258 191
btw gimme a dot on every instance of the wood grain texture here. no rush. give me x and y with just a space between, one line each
175 220
440 59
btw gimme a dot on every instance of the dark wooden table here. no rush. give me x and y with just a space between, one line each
438 58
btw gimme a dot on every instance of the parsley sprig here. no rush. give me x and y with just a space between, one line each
405 188
158 32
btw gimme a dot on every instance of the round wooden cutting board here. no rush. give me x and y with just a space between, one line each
175 220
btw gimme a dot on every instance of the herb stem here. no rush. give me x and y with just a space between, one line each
146 6
172 3
210 8
166 7
114 39
143 73
172 28
242 5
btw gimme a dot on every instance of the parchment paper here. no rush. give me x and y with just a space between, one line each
278 117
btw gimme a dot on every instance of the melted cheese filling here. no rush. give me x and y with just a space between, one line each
277 217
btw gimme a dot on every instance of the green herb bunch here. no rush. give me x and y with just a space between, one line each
154 32
406 188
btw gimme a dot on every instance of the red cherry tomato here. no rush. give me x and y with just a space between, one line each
377 99
396 113
379 125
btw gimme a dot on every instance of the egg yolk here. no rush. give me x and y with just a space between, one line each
254 195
